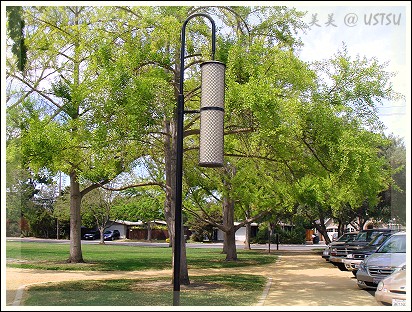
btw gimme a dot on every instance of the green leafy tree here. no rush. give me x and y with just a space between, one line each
145 205
342 139
82 116
158 56
15 29
98 204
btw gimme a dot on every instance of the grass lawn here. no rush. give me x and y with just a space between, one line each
110 257
212 290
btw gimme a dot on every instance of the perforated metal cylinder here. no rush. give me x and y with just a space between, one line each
212 114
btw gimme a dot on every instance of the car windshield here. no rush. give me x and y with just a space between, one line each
395 244
346 238
379 239
108 232
366 236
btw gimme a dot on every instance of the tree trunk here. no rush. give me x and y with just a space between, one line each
57 229
101 230
170 161
229 236
149 231
322 230
184 273
341 228
75 220
247 239
75 195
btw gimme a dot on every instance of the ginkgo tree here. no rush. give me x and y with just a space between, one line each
104 80
342 138
82 117
102 85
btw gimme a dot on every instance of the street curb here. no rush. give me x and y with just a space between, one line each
20 292
265 292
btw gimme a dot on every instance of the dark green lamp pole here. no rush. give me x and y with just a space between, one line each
211 134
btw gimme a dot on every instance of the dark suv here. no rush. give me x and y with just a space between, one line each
344 238
364 237
111 234
353 260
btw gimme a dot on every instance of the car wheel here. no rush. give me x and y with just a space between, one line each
354 272
341 267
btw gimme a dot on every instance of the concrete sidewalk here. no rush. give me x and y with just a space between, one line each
305 279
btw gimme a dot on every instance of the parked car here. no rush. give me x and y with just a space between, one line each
111 235
388 259
364 237
353 259
346 237
392 289
92 235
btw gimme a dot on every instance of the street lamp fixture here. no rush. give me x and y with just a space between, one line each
211 134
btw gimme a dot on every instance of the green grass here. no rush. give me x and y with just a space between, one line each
48 256
217 289
213 290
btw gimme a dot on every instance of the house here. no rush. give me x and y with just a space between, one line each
123 227
138 230
240 235
332 229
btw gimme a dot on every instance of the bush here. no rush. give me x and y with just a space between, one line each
294 236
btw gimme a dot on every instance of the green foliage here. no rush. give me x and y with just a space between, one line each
201 229
15 28
296 235
137 204
295 133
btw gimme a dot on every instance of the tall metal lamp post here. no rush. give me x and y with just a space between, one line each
211 134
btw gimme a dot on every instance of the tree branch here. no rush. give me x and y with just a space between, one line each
316 156
162 185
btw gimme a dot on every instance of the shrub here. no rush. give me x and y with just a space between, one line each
294 236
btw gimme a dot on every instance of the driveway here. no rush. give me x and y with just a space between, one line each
299 278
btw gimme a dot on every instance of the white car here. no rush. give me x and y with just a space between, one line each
392 290
388 259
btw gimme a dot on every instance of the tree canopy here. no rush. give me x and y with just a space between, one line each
94 94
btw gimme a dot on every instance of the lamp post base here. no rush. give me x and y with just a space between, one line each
176 298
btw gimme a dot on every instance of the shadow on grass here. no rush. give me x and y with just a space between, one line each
216 290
